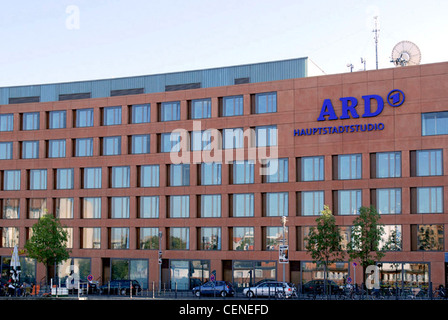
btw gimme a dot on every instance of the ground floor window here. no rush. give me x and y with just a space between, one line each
246 273
28 269
130 269
187 274
72 270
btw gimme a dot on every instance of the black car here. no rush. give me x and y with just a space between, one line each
317 287
122 287
218 288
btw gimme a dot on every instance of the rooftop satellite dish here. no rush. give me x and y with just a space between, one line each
406 53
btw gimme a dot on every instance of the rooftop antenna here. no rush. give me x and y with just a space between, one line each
405 53
351 66
376 30
364 62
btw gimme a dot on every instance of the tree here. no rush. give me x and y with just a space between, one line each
48 242
324 241
365 238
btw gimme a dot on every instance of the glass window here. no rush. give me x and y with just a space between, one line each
243 205
211 206
312 203
170 111
429 237
149 238
434 123
179 206
179 239
201 109
388 201
119 238
232 106
276 204
140 144
64 178
149 207
84 147
111 146
30 121
149 176
56 148
430 200
392 239
274 238
429 163
30 149
266 102
10 237
5 150
84 118
349 166
233 138
243 238
266 136
201 140
6 122
92 178
120 177
141 113
388 165
11 180
276 170
349 202
210 173
57 119
36 208
243 171
211 238
38 179
91 208
111 116
11 208
91 238
64 208
170 142
312 168
179 175
119 207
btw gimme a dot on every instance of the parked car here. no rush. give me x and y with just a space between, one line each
317 287
271 288
120 287
219 288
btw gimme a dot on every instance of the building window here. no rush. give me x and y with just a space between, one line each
120 177
429 163
30 121
119 238
91 238
84 147
149 238
10 237
210 173
170 142
57 119
149 207
276 204
64 208
6 122
11 180
210 206
11 208
243 238
388 201
201 140
276 170
91 208
111 116
273 238
179 175
434 123
201 109
233 138
312 203
349 166
349 202
36 208
210 238
5 150
392 239
427 237
266 136
30 149
232 106
64 178
179 239
243 205
38 179
149 176
140 144
111 146
429 199
141 113
179 206
56 148
311 168
266 102
170 111
243 171
388 165
119 207
84 118
92 178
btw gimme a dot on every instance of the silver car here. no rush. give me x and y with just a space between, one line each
271 288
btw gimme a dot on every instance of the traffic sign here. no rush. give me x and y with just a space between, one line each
283 254
90 277
213 276
349 280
